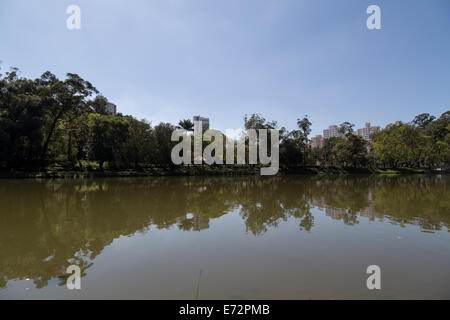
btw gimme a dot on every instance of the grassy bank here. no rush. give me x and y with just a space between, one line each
346 170
60 172
57 172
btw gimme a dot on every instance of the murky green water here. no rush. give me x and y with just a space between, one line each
290 237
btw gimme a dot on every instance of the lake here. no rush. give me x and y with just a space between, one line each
283 237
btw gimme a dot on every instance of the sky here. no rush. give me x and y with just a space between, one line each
166 60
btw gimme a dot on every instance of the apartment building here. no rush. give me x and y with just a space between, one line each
111 107
317 141
332 131
367 131
200 123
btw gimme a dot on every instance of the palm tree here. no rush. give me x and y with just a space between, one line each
186 125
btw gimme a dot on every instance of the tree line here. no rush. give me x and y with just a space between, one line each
47 121
423 142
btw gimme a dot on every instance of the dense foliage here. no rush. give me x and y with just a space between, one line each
47 121
423 142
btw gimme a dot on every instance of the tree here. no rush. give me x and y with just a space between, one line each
349 152
98 105
346 128
304 126
81 137
357 147
290 152
21 119
302 136
162 144
294 147
422 120
439 129
60 97
138 143
256 121
437 135
186 124
108 135
385 145
400 144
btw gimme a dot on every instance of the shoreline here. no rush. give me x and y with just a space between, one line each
204 170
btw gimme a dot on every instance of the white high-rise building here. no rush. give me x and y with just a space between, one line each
111 107
367 131
200 123
332 131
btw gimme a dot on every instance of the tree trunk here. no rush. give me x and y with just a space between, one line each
49 135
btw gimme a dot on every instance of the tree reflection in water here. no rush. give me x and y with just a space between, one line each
45 226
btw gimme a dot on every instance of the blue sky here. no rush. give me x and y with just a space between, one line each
166 60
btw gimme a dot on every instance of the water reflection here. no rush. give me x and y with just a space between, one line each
45 226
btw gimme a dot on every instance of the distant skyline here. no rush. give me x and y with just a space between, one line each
170 60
